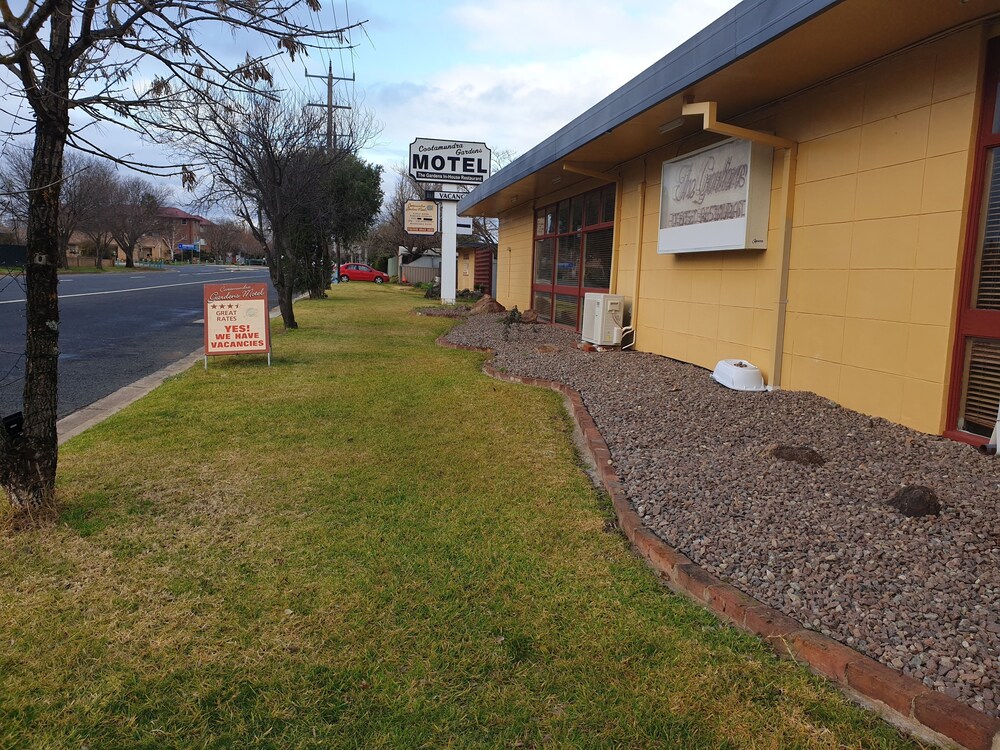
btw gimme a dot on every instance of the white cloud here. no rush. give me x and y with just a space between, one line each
531 68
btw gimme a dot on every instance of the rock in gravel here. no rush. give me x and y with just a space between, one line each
915 501
486 306
798 454
529 316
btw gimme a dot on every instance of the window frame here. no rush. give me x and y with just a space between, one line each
542 214
973 323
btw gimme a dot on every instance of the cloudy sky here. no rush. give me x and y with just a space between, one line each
506 72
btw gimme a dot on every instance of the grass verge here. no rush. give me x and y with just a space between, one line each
369 544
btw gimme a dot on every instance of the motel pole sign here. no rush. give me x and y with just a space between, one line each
455 162
449 163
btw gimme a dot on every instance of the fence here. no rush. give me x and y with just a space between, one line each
420 274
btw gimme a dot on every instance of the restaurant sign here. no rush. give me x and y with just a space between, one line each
717 198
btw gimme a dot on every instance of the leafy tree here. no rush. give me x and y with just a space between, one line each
108 62
357 198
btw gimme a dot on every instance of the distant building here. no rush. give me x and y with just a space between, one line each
177 228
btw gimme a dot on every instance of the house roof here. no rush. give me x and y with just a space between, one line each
758 52
169 212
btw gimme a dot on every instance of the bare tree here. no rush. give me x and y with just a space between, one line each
228 239
76 198
266 160
99 183
134 211
93 59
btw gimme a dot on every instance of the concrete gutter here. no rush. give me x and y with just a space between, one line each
83 419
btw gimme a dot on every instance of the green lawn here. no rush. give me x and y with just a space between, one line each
368 545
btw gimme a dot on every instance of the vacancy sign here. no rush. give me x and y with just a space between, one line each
236 319
420 217
455 162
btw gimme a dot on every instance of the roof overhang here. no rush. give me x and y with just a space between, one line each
759 52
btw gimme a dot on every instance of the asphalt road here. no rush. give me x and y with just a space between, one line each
114 328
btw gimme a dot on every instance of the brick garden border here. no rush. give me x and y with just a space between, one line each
903 701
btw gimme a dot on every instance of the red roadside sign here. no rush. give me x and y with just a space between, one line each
236 319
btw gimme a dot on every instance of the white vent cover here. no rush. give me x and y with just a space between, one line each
602 319
739 375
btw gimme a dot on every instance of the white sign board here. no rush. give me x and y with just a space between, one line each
420 217
236 319
463 225
457 162
717 198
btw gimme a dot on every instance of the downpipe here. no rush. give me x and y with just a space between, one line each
990 449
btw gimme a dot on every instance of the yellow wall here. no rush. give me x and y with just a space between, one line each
466 270
514 258
884 174
880 191
879 202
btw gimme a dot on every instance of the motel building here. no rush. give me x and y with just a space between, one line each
809 185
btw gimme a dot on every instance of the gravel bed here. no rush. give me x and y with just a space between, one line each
817 542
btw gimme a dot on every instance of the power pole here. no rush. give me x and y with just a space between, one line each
331 142
331 136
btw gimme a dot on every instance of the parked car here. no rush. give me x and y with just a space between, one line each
362 272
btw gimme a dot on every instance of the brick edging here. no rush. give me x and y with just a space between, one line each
903 701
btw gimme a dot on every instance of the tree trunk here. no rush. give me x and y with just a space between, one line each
283 284
28 460
129 257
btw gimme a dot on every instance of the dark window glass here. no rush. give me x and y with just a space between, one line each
597 259
592 208
563 225
576 214
986 285
568 261
996 111
567 306
981 397
540 222
608 204
550 220
543 305
544 250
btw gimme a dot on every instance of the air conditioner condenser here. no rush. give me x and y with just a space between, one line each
602 319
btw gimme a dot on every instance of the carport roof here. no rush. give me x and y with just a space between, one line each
758 52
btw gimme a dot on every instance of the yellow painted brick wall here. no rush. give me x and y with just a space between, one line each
884 171
881 187
703 307
514 257
466 270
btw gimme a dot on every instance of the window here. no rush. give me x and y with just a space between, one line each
574 240
975 389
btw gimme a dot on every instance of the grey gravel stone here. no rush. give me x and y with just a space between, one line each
817 542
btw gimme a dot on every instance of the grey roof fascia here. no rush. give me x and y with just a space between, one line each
749 26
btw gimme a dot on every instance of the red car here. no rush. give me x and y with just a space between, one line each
362 272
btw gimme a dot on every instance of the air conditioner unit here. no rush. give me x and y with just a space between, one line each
602 318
